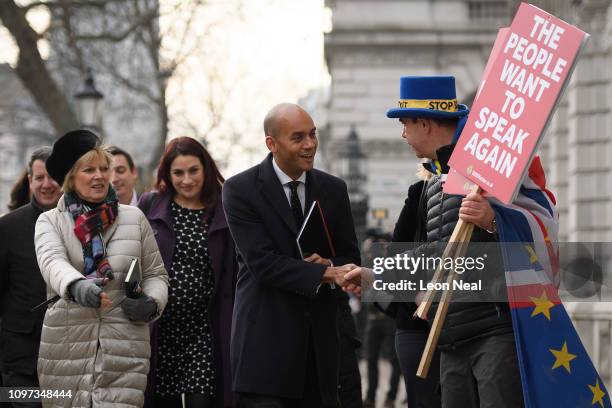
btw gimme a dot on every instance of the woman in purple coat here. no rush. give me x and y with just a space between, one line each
190 342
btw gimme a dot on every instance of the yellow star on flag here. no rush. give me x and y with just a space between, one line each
533 257
598 394
542 305
562 357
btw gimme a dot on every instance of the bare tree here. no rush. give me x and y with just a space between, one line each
32 70
124 41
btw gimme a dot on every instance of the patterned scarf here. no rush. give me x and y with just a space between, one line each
89 224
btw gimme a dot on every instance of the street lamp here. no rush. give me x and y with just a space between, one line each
352 162
89 104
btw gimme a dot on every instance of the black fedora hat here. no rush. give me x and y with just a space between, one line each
67 150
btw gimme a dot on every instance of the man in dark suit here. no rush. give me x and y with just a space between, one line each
284 349
21 284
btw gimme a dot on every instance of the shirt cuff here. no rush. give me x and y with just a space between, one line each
331 285
331 264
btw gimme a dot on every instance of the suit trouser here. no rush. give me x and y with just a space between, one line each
19 363
311 395
14 379
349 378
483 373
381 331
421 393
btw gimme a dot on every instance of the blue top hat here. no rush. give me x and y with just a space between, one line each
428 97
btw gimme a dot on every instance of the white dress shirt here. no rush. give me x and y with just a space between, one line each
301 190
134 200
285 180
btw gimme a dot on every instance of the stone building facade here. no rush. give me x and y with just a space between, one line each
577 148
373 43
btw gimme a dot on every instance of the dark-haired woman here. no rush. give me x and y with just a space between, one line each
20 192
190 353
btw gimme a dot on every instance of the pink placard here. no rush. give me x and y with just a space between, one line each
455 183
502 33
516 101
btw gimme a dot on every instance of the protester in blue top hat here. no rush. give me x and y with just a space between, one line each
478 362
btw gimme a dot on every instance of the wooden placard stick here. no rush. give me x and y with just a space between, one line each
438 277
450 249
436 327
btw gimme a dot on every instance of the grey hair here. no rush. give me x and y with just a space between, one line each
42 153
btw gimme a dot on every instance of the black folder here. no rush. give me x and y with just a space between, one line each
314 235
132 280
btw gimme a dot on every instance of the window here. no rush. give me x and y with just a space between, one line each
488 10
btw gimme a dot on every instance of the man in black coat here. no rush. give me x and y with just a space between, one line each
284 349
21 284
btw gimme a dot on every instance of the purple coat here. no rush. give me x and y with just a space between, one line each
223 257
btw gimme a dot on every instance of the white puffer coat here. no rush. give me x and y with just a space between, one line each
97 354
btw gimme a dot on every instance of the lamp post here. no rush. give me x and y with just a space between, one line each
89 104
352 163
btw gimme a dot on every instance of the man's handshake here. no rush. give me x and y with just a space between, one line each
350 277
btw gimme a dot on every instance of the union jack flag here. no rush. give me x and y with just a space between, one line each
556 370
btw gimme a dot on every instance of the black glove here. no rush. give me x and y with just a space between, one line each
86 292
141 309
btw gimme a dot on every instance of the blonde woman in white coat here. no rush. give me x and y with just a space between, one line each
95 341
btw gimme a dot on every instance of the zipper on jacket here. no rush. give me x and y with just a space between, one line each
95 358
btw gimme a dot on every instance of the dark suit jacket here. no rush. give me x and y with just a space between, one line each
277 305
21 288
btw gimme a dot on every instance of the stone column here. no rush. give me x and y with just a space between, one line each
590 130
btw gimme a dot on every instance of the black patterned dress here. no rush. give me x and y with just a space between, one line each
185 351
